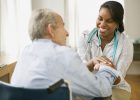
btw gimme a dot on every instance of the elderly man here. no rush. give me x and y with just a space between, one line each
47 59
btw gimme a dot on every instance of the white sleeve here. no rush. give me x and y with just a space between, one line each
125 58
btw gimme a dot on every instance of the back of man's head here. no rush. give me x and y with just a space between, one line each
39 22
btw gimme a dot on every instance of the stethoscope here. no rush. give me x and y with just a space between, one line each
115 43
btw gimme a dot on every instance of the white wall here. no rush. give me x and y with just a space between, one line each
132 15
56 5
132 27
132 18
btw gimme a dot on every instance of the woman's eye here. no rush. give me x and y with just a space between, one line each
109 21
99 18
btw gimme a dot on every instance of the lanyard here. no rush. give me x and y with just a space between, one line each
115 43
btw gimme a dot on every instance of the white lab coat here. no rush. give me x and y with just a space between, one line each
43 62
123 57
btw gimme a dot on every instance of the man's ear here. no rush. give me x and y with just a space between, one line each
50 30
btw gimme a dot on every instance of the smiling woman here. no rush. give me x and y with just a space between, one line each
81 15
13 25
108 42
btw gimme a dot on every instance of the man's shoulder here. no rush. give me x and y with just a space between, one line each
66 54
64 49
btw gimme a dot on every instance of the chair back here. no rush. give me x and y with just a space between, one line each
54 92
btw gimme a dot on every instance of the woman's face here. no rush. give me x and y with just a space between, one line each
105 23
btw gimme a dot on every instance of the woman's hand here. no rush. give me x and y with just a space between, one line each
118 79
90 65
106 61
95 62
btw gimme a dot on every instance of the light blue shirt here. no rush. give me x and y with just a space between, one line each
43 62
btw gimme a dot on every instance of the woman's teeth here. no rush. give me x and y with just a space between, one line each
102 30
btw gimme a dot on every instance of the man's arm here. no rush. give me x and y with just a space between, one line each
85 83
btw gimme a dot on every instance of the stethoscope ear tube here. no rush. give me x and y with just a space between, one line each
94 31
91 34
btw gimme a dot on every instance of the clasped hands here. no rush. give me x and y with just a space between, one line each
95 62
94 65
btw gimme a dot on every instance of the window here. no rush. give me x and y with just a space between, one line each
14 26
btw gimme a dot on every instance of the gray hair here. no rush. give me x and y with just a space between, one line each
40 19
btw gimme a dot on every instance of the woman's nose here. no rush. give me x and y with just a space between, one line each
103 24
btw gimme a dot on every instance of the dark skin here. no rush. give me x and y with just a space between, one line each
106 26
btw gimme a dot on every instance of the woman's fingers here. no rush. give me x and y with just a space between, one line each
101 59
104 60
